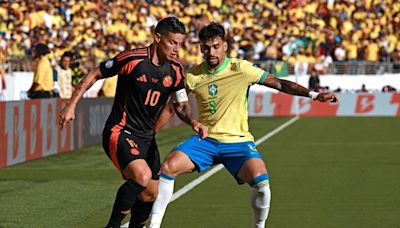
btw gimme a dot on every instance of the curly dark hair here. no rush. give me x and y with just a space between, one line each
212 31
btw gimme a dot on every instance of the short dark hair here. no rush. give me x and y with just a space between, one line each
170 24
68 54
212 31
41 49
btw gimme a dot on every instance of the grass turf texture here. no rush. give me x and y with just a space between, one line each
325 172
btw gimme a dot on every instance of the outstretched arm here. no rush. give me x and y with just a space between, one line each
183 111
296 89
68 112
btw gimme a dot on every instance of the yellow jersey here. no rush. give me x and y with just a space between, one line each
43 75
222 97
109 87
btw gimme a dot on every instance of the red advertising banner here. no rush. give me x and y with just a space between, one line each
361 104
396 101
29 130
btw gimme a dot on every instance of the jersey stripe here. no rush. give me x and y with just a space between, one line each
140 50
115 132
122 55
128 68
178 75
130 55
126 54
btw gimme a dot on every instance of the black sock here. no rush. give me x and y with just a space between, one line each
124 200
140 213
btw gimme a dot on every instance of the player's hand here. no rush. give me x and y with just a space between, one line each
200 129
66 115
323 97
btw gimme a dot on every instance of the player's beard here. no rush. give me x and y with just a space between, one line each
213 63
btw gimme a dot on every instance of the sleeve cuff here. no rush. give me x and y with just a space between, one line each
262 78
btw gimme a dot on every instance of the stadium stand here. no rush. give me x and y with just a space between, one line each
344 37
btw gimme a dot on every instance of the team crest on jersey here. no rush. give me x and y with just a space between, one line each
109 63
212 89
167 81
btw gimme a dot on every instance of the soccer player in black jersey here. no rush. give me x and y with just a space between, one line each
146 79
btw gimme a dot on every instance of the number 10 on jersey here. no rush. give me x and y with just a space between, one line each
152 97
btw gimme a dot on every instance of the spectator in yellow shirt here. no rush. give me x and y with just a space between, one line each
42 86
109 87
372 53
372 56
352 55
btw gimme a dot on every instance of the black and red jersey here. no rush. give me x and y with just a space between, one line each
142 91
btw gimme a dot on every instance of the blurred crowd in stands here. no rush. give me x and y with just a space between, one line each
284 36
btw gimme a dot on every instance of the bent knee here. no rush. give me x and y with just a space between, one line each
142 177
168 168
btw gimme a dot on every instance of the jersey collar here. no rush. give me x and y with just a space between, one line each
219 69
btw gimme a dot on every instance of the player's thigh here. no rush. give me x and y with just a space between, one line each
193 154
251 169
150 193
177 163
242 160
131 157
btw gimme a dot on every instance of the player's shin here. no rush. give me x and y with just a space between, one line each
260 199
140 213
126 196
165 191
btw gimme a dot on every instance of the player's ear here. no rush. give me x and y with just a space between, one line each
157 37
201 48
225 46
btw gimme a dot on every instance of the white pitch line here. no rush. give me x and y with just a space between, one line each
185 189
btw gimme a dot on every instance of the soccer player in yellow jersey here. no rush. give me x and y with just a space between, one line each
221 86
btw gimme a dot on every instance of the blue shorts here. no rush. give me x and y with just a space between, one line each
207 152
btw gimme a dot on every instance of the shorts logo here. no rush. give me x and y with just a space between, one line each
135 151
212 89
134 147
252 148
109 63
167 81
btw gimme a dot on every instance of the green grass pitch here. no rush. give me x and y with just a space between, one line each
325 172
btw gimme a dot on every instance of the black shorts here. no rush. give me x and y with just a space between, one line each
122 147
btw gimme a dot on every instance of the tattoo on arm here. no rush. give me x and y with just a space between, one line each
286 86
294 88
184 112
